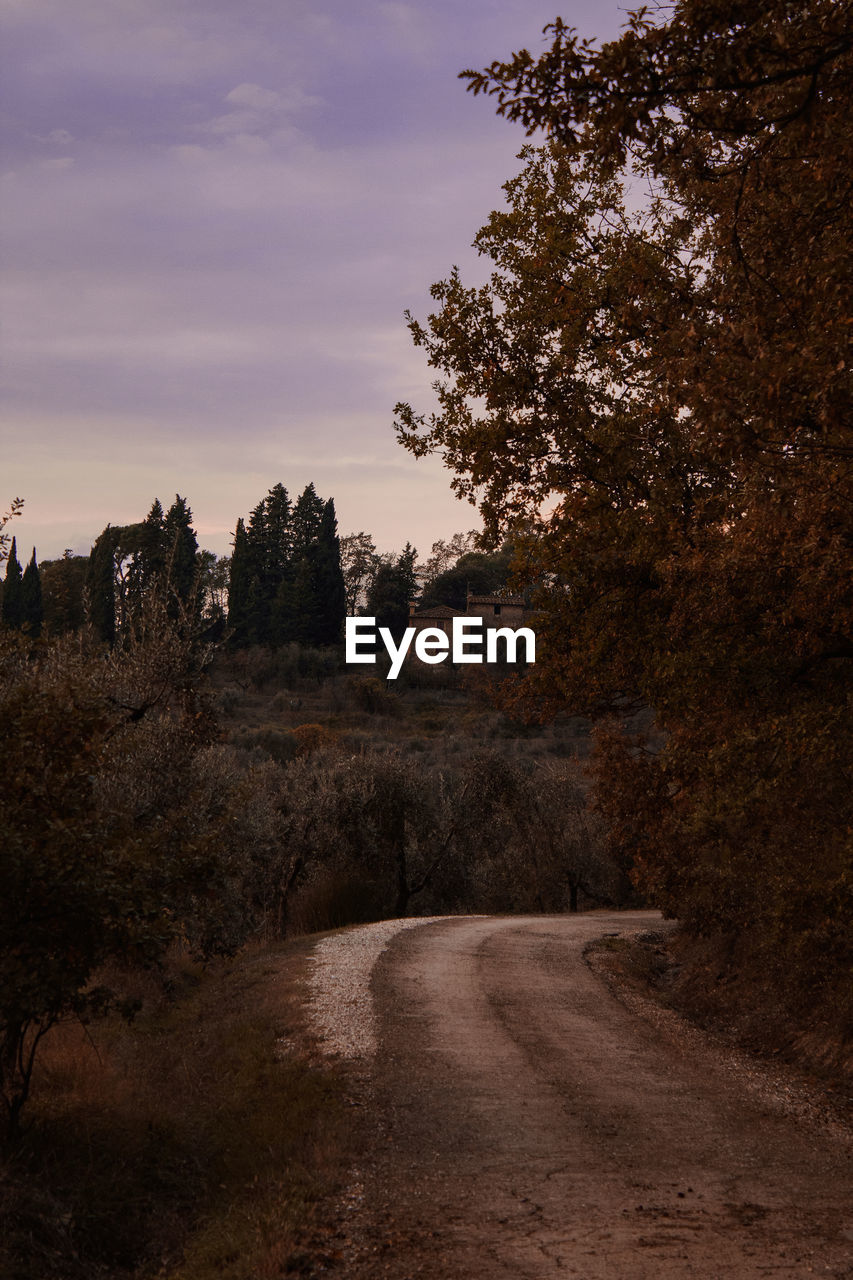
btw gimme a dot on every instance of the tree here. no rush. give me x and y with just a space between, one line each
32 609
530 838
158 556
148 544
480 572
393 588
329 579
124 828
286 580
444 555
13 607
371 817
270 548
213 576
15 508
359 563
104 854
100 592
63 584
307 519
278 532
181 547
673 386
239 588
296 613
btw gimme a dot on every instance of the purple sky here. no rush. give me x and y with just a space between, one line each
213 217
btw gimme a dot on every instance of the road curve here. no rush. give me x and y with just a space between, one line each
522 1123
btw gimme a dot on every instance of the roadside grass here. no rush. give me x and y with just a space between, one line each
706 982
194 1143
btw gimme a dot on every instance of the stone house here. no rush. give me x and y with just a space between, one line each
495 610
437 615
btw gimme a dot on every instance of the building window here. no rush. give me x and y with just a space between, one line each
497 609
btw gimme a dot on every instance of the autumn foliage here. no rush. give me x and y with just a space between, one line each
658 377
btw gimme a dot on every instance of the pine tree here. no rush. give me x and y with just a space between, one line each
32 609
13 609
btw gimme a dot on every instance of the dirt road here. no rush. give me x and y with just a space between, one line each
522 1123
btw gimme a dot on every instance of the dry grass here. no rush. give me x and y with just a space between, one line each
186 1146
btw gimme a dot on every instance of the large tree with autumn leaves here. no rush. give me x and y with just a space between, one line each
657 376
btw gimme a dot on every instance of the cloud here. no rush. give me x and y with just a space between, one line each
261 111
253 96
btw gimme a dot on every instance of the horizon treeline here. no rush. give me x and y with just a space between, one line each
291 578
282 583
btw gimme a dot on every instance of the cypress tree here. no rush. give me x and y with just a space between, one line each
286 579
258 594
239 588
32 608
273 551
278 535
284 616
295 614
331 602
100 585
406 568
303 600
13 607
144 544
181 551
153 545
307 518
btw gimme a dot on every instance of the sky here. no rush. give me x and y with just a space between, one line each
213 216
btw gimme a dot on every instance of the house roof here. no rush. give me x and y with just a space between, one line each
438 611
515 600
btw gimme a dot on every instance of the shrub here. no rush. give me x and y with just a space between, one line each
372 695
312 737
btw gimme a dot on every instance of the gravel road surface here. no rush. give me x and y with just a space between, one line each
520 1122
